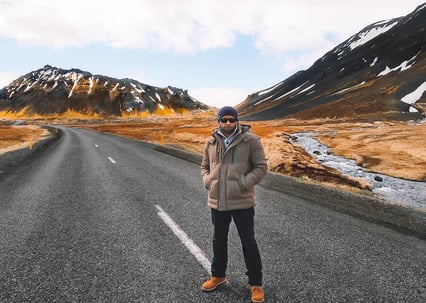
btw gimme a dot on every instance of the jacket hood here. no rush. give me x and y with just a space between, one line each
244 128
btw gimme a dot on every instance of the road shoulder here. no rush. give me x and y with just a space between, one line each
13 158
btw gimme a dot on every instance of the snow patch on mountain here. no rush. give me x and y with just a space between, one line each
350 88
90 85
364 36
54 85
402 67
415 95
29 86
306 89
138 89
75 85
269 89
380 28
286 94
374 61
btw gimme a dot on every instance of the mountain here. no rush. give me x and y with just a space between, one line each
52 90
378 73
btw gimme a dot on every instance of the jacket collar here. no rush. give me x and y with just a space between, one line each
242 129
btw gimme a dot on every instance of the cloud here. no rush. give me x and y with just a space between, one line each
295 32
188 26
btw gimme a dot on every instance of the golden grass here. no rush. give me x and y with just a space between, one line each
395 149
23 113
26 114
399 153
17 137
391 148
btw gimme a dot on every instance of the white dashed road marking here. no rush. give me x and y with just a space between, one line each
190 245
112 160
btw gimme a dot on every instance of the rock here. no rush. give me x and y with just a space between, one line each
378 179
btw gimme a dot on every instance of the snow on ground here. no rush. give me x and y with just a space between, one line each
411 193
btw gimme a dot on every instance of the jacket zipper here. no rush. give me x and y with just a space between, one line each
221 156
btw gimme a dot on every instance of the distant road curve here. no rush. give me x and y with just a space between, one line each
100 218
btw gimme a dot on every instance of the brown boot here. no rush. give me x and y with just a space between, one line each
257 294
213 283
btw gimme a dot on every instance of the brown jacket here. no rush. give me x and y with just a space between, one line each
230 175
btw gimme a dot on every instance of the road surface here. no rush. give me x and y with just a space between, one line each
99 218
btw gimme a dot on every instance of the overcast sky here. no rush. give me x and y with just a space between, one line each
219 50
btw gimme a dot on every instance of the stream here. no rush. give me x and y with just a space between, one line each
411 193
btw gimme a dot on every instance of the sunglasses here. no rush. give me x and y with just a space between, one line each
224 120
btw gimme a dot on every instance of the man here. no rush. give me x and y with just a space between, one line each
233 163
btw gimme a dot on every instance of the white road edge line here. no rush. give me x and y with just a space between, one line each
190 245
112 160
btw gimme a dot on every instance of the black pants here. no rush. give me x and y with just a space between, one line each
244 221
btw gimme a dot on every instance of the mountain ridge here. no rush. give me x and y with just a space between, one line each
365 76
52 90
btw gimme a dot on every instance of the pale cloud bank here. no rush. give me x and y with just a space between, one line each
188 26
299 31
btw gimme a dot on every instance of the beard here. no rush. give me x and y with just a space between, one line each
227 130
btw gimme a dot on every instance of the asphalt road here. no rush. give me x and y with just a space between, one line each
99 218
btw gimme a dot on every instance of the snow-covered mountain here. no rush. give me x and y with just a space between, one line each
53 90
377 73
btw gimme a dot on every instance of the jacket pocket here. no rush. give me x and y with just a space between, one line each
242 183
213 189
207 181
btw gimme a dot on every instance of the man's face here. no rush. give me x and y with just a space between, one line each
227 124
